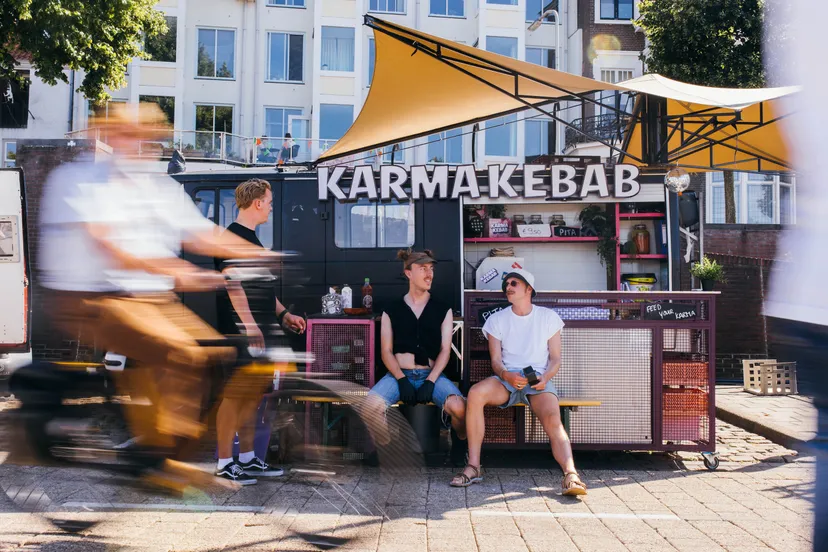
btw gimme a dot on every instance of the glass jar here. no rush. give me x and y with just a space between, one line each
517 219
640 236
535 219
557 220
332 302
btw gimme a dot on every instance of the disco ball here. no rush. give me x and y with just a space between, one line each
677 180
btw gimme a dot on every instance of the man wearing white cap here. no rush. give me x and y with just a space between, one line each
525 336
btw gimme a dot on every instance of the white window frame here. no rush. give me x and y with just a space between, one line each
542 48
546 21
273 4
403 12
368 76
600 21
285 121
444 143
215 54
517 44
531 118
337 72
743 180
287 52
6 160
499 5
446 15
387 152
214 106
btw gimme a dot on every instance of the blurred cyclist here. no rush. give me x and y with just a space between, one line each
111 233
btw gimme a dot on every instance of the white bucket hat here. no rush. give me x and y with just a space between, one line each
520 274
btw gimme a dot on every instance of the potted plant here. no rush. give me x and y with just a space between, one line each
708 271
596 222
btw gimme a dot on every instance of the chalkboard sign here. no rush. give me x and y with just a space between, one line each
484 314
669 311
566 232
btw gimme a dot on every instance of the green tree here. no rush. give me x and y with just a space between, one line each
706 42
98 37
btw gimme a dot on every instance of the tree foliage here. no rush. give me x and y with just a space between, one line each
98 37
705 42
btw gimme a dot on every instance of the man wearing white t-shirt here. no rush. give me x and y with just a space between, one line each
520 337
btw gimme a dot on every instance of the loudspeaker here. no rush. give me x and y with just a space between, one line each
688 209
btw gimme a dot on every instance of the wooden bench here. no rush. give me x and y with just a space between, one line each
567 405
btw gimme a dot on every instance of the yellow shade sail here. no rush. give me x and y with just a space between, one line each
424 84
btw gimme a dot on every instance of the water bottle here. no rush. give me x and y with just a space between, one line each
347 297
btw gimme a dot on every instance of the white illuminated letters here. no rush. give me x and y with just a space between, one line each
559 182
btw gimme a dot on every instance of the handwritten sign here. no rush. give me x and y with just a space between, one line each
534 230
484 314
567 232
669 311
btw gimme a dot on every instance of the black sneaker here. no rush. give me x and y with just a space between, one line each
260 468
235 473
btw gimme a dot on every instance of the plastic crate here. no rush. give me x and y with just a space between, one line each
342 347
685 373
685 415
768 377
479 370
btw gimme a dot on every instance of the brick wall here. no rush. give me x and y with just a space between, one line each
38 158
599 36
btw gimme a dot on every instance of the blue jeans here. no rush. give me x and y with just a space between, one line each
389 390
807 344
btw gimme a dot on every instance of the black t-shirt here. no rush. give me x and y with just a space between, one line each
261 297
420 336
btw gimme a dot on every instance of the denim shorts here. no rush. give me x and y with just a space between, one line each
388 389
521 396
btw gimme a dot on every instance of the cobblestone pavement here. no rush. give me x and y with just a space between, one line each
760 499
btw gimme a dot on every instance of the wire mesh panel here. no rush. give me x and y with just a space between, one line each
501 426
614 366
685 418
336 427
344 348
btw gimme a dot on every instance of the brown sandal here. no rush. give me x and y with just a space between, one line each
463 480
573 486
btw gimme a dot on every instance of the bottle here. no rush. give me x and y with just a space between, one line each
641 238
347 297
368 296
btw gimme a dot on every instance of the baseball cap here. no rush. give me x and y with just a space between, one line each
409 257
520 274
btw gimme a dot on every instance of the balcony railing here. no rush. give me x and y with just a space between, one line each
219 147
608 127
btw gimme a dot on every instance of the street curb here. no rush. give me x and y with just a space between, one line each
768 432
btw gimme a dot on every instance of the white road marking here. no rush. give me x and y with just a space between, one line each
583 515
176 507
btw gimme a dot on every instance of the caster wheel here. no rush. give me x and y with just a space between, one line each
711 462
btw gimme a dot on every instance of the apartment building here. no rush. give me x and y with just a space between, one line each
262 68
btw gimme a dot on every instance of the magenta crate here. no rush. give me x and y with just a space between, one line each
343 347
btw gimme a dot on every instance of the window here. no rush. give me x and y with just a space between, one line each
503 2
756 196
372 54
371 224
14 102
334 120
612 102
394 152
501 136
286 56
211 120
276 121
387 6
205 200
228 211
9 154
216 53
162 47
617 9
541 56
446 147
534 9
449 8
289 3
337 48
503 45
539 138
166 103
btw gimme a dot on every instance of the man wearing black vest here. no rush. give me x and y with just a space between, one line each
416 346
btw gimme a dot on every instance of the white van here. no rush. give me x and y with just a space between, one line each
15 276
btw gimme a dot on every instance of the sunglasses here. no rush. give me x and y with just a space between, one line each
513 283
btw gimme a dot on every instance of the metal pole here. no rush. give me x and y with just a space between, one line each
533 27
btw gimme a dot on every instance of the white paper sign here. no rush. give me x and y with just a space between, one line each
534 231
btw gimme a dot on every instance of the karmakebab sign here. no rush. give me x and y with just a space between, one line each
538 181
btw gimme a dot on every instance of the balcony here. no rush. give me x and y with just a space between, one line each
608 128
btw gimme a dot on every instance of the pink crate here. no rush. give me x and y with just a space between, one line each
343 347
